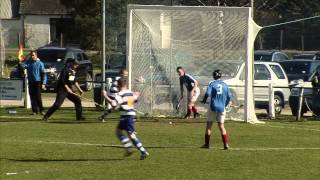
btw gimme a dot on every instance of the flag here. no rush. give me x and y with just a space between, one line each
20 54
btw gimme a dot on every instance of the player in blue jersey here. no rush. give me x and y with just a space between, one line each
220 95
126 99
193 91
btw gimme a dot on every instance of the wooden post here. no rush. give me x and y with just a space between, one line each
61 40
271 102
27 103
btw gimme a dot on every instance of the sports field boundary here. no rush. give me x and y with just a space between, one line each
178 147
287 127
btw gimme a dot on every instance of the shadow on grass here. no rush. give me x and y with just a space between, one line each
61 160
20 120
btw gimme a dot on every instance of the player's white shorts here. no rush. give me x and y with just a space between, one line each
195 96
216 116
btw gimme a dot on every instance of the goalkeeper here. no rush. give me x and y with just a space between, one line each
220 95
126 100
193 91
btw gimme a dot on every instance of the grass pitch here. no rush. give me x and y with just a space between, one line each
65 149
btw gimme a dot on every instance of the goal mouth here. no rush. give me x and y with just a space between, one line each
200 39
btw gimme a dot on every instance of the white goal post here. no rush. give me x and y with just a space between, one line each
201 39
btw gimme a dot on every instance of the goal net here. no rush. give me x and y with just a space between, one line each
200 39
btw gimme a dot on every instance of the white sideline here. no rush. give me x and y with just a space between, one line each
186 147
289 127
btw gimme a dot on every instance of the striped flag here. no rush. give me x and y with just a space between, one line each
20 54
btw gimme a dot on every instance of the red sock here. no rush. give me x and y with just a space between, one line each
225 139
194 109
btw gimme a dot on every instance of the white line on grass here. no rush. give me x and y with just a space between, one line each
274 149
181 147
288 127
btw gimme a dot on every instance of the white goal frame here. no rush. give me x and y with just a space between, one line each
253 29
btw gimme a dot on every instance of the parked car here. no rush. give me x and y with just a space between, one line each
307 103
312 56
270 56
233 73
54 58
299 69
114 63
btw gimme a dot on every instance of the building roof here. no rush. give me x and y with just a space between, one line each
42 7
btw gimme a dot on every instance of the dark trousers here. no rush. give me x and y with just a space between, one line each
61 95
35 96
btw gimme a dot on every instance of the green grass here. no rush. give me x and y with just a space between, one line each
45 150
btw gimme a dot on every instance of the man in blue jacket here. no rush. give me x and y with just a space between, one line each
220 95
36 81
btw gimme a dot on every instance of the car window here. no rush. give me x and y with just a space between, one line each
262 57
277 57
261 72
314 67
278 71
296 67
51 55
282 57
69 54
116 61
79 56
85 57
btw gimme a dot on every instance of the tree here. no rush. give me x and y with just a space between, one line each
87 20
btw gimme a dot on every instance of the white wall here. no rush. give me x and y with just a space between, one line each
37 30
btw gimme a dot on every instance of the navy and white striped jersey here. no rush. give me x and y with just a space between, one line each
188 81
114 89
125 99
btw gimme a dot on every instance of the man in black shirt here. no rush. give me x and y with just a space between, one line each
64 90
315 81
193 91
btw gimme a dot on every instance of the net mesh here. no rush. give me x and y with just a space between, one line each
199 39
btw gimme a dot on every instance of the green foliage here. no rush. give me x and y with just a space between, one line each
87 17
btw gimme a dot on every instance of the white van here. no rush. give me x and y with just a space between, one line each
233 73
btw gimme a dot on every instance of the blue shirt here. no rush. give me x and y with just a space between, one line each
188 81
220 95
35 71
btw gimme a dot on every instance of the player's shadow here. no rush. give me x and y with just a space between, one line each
63 160
71 121
20 120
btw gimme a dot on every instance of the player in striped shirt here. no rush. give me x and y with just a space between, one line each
193 91
220 95
126 99
113 90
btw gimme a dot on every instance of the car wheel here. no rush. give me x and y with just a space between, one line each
278 104
88 84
